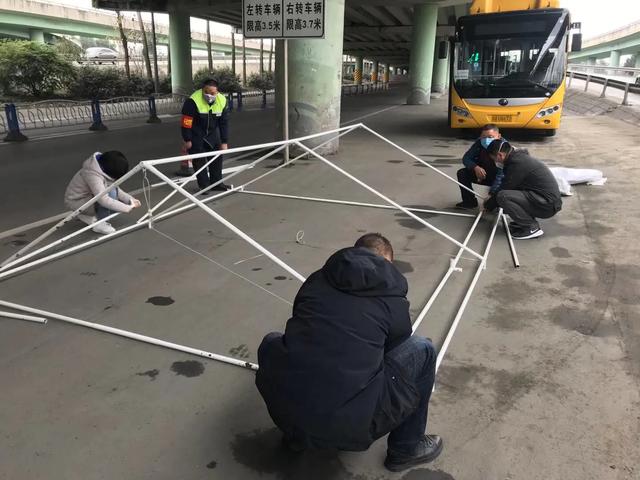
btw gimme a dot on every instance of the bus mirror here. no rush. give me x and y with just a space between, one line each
443 50
576 42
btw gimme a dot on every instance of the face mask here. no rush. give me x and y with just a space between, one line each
209 98
486 141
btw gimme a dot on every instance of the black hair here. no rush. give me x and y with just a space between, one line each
490 126
114 164
210 82
377 243
498 146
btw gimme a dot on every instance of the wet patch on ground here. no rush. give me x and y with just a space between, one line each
573 318
395 161
426 474
280 277
211 465
241 351
560 252
510 319
262 452
88 274
160 301
575 275
403 267
188 368
152 374
16 243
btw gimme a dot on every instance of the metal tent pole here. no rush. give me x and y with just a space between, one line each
132 335
512 247
355 204
452 268
19 316
225 222
391 202
437 170
467 297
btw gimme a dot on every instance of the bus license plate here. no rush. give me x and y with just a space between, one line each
502 118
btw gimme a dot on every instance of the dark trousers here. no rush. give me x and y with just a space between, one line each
214 173
467 178
417 356
524 207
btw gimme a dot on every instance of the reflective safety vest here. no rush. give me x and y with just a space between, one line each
216 108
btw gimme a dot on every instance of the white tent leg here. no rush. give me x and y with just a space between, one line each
132 335
19 316
355 204
452 268
512 247
467 297
391 202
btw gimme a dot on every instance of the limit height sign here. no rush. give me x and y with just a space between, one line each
283 19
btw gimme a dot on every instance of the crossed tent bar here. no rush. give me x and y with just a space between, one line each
15 264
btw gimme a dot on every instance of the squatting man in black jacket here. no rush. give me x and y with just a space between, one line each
528 191
347 370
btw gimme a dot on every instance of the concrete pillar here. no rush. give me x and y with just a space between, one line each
614 58
357 73
180 46
591 61
387 69
439 70
637 60
36 36
315 81
423 40
374 71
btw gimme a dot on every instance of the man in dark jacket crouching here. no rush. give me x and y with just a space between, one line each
347 370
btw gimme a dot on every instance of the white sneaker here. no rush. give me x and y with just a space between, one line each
88 219
104 228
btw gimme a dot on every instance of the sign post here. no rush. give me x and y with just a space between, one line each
283 20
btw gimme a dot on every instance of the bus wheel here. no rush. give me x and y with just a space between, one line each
550 133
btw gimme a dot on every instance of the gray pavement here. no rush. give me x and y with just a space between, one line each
541 380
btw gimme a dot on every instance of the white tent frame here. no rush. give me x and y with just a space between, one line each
17 263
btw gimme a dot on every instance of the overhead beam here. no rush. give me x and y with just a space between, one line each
443 30
389 44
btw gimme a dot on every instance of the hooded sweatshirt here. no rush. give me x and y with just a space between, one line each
327 379
90 181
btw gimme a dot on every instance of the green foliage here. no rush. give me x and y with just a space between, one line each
94 82
229 82
31 67
266 81
165 84
68 49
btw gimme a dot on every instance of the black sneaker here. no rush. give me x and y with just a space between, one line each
427 450
221 187
467 206
525 233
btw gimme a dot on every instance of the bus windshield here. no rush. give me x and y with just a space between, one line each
511 55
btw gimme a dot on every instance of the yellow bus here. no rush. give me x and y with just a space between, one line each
509 65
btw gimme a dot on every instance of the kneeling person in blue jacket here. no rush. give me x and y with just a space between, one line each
347 370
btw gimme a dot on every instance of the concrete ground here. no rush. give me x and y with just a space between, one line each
541 380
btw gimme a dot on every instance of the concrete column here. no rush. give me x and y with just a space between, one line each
36 36
439 70
591 61
614 58
374 72
637 60
315 81
387 69
423 40
357 73
180 46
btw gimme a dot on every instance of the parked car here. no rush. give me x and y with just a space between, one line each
100 54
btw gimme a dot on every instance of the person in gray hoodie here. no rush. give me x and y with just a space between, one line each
98 173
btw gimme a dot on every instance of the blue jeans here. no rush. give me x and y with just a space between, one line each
103 212
418 357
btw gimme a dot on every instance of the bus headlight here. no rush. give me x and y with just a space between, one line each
463 112
548 111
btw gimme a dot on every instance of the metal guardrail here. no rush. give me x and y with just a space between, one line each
61 113
584 72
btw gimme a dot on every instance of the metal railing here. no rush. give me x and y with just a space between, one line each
62 113
623 78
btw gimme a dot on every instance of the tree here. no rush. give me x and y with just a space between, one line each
630 62
227 80
125 43
33 67
145 47
68 49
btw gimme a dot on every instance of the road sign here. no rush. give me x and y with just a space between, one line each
283 18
